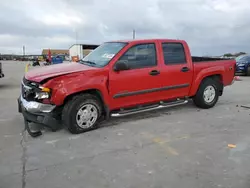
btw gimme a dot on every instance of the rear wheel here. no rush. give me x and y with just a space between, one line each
82 113
248 71
207 94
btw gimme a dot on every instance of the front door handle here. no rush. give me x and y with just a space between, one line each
154 72
185 69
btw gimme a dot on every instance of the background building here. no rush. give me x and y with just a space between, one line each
55 52
64 54
81 50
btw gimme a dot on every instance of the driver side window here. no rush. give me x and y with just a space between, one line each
140 56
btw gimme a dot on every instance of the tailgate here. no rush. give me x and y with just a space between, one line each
230 70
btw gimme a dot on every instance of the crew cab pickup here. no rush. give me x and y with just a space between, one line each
122 78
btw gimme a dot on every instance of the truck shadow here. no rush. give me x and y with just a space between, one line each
112 122
8 86
130 118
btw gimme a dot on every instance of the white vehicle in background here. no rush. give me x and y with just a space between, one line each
67 58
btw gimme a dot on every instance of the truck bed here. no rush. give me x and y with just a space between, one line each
196 59
222 66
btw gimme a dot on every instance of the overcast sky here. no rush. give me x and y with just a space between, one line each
211 27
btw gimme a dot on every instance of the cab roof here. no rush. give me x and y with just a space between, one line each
148 40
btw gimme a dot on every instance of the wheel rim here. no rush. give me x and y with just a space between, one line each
209 94
86 116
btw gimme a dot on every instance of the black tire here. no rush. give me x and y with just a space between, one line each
71 108
248 71
199 100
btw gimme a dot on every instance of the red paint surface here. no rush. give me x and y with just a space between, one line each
74 78
42 73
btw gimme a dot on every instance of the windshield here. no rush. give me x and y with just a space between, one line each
102 55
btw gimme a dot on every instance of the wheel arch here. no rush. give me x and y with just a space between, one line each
217 77
95 92
199 98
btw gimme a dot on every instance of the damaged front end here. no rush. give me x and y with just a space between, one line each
34 104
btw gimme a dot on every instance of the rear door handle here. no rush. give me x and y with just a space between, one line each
185 69
154 72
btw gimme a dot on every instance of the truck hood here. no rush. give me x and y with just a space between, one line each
42 73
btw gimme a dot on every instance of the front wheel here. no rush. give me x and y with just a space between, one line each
82 113
207 94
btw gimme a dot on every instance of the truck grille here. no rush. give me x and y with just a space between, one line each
28 90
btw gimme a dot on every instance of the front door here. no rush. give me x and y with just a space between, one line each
136 85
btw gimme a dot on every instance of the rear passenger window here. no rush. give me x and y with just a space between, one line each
173 53
140 56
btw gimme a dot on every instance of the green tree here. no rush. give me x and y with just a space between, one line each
228 55
240 53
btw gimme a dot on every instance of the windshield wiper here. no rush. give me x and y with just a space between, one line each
88 62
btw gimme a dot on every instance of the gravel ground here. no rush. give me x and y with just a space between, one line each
178 147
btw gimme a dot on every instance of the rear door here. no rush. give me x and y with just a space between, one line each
177 69
139 84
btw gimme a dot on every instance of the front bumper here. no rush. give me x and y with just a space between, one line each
36 107
38 113
241 69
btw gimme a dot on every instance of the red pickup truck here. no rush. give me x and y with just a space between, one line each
121 78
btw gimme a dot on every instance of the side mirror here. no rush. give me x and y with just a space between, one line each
121 65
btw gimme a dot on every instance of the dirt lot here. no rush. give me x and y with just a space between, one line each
173 148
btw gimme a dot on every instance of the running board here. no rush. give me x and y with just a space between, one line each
149 108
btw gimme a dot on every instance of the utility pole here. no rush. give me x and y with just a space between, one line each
77 50
23 51
133 34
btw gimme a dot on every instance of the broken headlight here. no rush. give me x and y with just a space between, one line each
44 93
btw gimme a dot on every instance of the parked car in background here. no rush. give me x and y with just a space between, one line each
1 71
122 78
35 63
57 59
243 64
